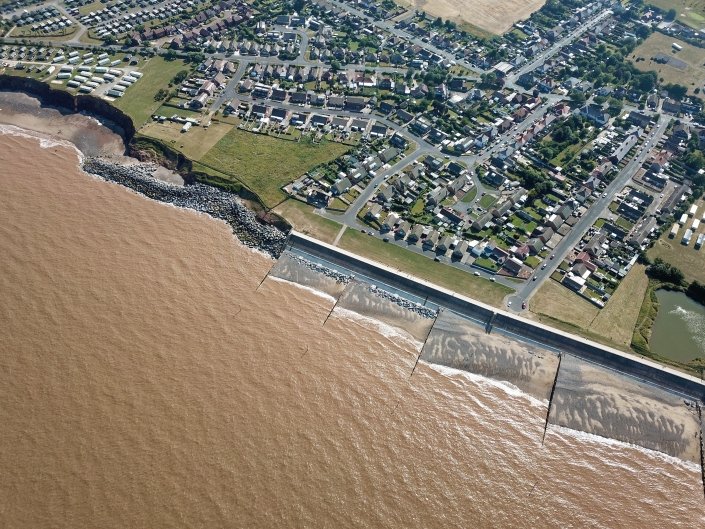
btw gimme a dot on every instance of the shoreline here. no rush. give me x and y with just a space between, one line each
218 204
247 223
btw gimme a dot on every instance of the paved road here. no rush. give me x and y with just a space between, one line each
598 208
390 27
547 54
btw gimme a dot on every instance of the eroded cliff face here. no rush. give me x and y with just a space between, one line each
95 106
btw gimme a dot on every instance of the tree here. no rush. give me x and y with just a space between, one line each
671 15
665 272
161 95
180 77
170 55
676 91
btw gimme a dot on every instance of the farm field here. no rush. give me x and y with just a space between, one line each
688 69
493 16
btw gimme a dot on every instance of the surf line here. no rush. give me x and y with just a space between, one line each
550 398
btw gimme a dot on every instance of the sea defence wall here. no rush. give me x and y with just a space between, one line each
496 320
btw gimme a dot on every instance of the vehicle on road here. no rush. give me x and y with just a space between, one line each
543 266
477 274
492 279
523 304
552 256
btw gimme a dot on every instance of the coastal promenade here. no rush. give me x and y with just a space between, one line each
495 320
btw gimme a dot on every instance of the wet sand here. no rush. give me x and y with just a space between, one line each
293 269
462 344
91 136
361 298
595 400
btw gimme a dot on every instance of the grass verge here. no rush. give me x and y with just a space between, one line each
422 267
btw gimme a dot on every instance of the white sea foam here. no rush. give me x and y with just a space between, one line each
45 142
386 330
607 441
509 388
312 290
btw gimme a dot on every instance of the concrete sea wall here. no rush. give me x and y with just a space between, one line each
496 320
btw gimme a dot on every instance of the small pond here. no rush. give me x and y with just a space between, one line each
679 330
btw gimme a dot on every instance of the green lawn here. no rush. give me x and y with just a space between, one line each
470 195
624 224
532 261
484 262
487 201
422 267
138 101
303 219
264 163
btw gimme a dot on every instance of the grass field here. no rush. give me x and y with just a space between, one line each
492 16
264 164
138 101
195 143
692 76
617 320
88 8
470 195
423 267
303 219
558 306
690 12
560 303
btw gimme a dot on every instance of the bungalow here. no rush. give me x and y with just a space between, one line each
298 98
431 240
355 104
199 101
388 154
415 233
403 229
513 265
341 186
444 244
460 249
595 113
391 221
336 102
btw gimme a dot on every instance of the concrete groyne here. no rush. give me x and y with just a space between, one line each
592 399
203 198
513 326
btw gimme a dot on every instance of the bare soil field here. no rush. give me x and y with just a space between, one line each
493 16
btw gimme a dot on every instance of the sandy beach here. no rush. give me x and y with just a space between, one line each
90 135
